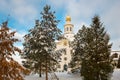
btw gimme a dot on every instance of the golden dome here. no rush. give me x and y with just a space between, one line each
68 18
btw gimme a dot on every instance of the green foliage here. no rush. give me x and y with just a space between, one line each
92 48
39 43
34 48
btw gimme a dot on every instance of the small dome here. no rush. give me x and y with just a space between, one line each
68 18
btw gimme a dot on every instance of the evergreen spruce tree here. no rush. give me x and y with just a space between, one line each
49 24
92 45
77 47
34 49
40 42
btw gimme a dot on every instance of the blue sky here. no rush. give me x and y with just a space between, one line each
23 14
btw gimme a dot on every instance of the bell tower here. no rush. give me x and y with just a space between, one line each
68 28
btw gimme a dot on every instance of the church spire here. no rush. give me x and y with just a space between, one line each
68 27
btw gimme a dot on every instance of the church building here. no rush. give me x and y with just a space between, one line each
64 44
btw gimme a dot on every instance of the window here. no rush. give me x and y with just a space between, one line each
67 28
65 52
59 66
71 51
65 58
65 67
70 29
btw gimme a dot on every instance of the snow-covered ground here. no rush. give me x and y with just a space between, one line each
66 76
116 74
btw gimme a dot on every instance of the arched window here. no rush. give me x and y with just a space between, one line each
70 29
65 67
65 58
67 28
59 66
71 52
65 53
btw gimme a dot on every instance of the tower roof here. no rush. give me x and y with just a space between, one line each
68 18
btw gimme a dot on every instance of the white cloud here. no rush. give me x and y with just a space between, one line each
112 22
116 44
59 3
17 58
112 18
79 26
3 5
20 35
81 12
21 10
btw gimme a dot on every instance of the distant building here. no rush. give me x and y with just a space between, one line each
115 55
63 43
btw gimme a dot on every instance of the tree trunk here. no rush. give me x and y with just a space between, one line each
97 76
49 67
40 74
46 69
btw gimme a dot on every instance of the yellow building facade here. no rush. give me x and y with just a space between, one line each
65 57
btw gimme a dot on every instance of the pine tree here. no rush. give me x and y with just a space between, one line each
49 24
9 68
76 44
40 44
92 45
34 48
